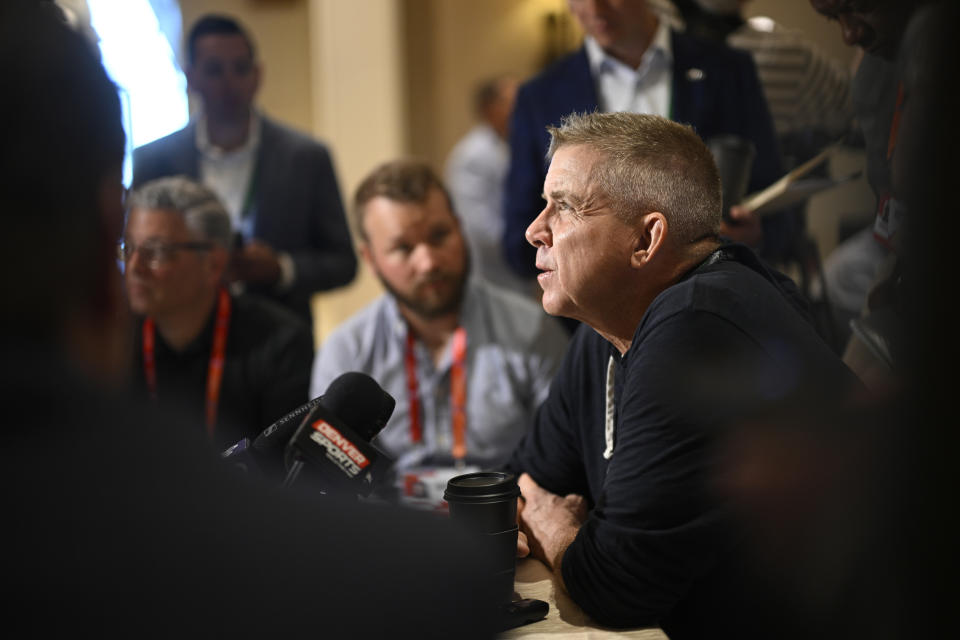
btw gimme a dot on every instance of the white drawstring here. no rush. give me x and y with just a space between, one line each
608 423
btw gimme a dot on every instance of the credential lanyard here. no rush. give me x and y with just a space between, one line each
895 122
458 392
214 367
889 212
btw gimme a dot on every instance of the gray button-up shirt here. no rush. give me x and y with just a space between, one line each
513 351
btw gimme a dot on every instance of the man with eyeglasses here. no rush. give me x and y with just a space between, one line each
234 364
278 185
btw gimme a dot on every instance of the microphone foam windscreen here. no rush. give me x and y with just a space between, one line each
360 402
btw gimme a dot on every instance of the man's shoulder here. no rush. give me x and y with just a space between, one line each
716 288
179 140
480 153
737 291
375 317
481 141
275 132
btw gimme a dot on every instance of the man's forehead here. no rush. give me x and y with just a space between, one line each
571 168
837 7
157 221
388 217
231 45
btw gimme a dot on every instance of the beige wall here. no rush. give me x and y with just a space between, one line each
453 45
358 107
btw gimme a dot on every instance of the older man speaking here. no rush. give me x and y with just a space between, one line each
684 336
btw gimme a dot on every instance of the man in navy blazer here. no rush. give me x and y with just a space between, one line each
278 185
712 87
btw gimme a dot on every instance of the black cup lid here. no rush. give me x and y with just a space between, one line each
482 486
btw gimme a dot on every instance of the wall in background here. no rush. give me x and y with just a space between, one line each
453 45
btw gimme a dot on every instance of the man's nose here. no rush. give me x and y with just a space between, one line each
851 29
135 261
538 233
425 258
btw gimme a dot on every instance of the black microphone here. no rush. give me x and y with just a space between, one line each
331 447
263 456
274 438
241 457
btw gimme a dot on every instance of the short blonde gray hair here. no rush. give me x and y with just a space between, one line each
408 180
649 163
200 207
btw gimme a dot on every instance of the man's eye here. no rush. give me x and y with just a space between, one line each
156 251
438 236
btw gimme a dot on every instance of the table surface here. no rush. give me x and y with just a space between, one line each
565 619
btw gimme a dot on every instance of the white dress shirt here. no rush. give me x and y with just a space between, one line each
229 174
646 89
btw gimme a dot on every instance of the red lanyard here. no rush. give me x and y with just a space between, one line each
895 122
214 368
458 392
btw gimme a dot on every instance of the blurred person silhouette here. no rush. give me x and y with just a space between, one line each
278 185
925 169
860 262
468 362
231 363
633 61
851 511
475 172
122 522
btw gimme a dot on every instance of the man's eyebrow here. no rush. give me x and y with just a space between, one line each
559 194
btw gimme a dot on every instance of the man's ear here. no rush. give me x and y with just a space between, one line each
365 253
191 74
651 238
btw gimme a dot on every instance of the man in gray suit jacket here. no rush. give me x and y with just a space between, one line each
278 185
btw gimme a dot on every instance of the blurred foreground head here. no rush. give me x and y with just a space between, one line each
61 194
875 25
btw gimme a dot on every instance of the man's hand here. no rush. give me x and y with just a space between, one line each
743 226
255 263
548 522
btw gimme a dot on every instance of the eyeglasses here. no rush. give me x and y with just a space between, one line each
157 254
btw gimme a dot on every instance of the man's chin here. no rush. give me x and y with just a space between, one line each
553 307
435 308
140 306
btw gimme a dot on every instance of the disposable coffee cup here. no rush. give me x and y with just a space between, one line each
734 158
485 504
